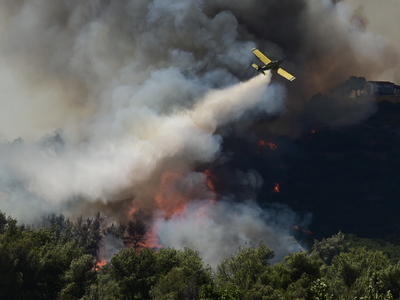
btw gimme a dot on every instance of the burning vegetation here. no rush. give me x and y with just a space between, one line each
262 144
277 187
157 104
57 265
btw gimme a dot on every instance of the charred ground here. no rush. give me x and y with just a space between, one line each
344 177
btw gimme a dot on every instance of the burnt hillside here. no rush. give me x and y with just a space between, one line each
348 178
345 179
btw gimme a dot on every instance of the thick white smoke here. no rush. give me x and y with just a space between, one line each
105 166
216 229
119 83
107 96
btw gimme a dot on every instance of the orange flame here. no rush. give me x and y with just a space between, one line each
168 199
171 200
262 144
312 132
132 211
99 264
151 239
277 187
210 184
298 228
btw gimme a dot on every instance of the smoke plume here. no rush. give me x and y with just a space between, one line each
216 229
108 100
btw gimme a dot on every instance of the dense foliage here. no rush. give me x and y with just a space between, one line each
60 260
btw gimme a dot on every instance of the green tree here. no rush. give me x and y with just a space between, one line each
135 234
3 222
294 276
135 272
15 266
242 271
78 278
390 277
185 278
89 233
60 227
320 290
95 236
351 273
105 287
328 248
33 263
54 261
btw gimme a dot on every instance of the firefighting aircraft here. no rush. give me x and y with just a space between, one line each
270 65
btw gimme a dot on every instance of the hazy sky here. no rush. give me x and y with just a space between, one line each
383 18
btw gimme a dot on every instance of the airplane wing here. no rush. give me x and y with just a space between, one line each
285 74
261 56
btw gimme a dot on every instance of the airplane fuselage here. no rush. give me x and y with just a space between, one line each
270 65
273 65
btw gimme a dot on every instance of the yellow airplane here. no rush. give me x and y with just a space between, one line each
270 65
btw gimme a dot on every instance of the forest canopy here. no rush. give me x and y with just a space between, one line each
60 260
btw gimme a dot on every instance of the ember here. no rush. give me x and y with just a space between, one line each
262 144
277 187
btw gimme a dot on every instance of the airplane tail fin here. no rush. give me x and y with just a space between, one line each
257 67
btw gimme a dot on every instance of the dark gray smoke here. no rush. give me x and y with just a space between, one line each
137 92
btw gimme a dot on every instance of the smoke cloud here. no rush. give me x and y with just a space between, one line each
216 229
103 101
